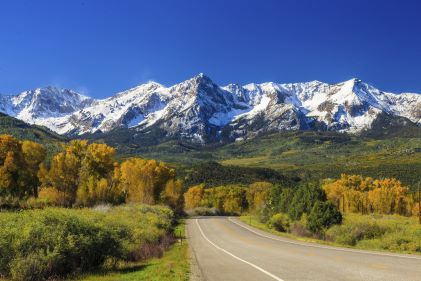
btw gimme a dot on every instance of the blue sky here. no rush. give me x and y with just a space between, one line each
101 47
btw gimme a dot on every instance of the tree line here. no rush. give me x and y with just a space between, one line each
357 194
82 174
313 205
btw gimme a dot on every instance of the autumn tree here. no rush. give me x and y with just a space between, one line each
256 195
193 197
98 160
235 200
19 164
83 174
34 154
63 176
172 195
388 197
10 176
96 176
144 180
230 199
355 194
416 209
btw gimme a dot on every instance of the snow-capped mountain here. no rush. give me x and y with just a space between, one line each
199 110
44 106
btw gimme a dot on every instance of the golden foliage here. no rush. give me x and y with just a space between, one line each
229 199
144 180
256 195
416 209
84 174
193 197
354 194
51 196
19 165
172 195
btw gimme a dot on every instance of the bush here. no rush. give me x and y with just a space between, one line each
299 228
398 242
383 232
322 216
351 233
40 244
57 242
280 222
30 268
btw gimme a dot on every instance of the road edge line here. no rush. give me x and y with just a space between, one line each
194 262
322 246
238 258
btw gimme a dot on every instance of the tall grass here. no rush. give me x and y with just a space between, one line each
382 232
373 232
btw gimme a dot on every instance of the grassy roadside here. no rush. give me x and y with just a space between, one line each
253 221
405 236
173 266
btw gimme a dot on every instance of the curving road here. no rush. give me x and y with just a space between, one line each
226 249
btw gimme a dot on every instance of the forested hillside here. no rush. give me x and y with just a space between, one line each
22 130
306 155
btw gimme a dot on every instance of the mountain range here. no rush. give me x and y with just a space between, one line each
200 111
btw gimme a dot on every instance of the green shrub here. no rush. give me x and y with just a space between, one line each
383 232
394 242
57 242
30 268
280 222
322 216
40 244
351 233
299 228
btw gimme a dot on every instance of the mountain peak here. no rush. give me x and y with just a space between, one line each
199 108
48 88
201 77
56 91
354 82
153 83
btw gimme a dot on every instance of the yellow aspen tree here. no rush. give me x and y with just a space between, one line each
194 196
34 155
172 195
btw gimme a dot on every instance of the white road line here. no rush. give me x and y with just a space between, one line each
234 256
323 247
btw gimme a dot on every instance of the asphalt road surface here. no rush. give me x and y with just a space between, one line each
227 249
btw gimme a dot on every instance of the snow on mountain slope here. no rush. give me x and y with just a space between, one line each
126 109
47 106
202 111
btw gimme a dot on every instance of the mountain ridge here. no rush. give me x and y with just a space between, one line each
201 111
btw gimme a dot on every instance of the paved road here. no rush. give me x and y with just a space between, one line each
227 249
